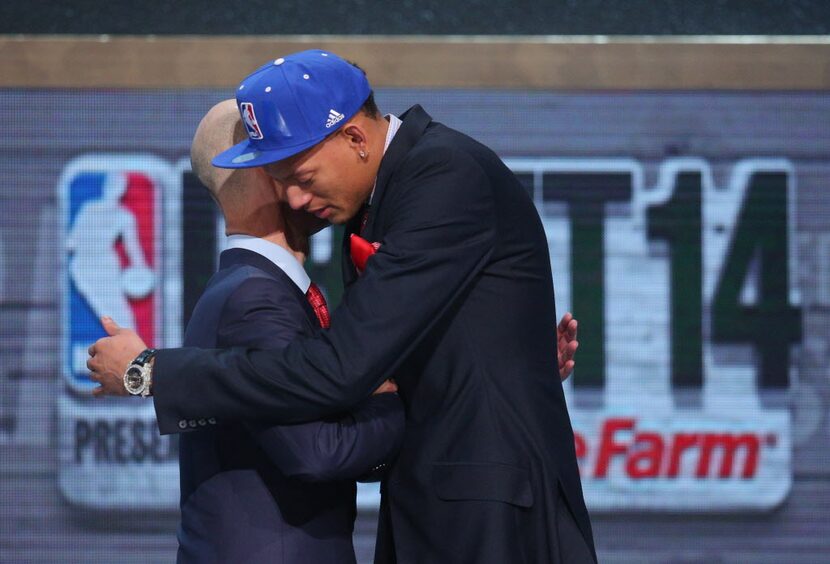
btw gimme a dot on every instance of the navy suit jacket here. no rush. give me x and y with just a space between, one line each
458 304
261 493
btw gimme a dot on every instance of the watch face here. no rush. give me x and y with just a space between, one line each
134 380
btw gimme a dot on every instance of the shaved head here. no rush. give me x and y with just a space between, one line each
219 130
247 196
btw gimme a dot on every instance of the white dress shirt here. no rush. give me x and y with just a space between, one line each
280 256
394 126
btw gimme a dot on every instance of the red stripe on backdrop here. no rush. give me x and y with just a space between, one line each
140 199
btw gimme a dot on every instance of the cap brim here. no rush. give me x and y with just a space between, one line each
246 155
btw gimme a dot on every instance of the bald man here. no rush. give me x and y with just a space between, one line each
255 493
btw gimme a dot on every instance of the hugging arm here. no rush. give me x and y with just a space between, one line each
440 235
344 447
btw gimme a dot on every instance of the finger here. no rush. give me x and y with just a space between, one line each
563 323
566 370
110 326
95 377
91 350
566 354
572 328
566 334
385 388
565 341
569 351
91 364
98 392
98 345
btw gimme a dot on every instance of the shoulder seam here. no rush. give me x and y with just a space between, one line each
258 275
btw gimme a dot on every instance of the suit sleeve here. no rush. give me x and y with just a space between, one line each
344 447
361 442
440 233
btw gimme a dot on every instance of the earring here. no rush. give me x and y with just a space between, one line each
362 154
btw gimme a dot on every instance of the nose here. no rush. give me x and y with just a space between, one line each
296 197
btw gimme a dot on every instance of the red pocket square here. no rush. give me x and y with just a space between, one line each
361 250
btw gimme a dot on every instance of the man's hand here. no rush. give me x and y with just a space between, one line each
388 387
110 356
566 345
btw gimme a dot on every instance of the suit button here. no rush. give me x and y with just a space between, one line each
212 421
202 422
192 423
182 424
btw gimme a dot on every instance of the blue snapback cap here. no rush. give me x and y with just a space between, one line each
293 103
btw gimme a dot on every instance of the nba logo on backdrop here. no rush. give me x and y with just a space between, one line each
111 218
120 221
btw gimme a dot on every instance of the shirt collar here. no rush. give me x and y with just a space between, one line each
394 126
280 256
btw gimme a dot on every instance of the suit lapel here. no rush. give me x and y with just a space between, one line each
415 121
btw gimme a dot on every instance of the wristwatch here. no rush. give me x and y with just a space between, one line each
138 378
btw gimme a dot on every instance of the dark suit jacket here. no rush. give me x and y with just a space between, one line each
262 493
458 305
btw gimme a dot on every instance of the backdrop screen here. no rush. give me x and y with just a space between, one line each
689 233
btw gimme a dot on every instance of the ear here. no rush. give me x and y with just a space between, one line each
355 136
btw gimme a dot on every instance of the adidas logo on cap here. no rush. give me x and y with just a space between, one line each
334 117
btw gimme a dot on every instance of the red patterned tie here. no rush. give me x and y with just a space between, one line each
318 302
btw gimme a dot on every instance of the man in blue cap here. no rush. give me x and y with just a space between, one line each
457 303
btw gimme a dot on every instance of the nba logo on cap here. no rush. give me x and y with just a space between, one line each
249 117
111 215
